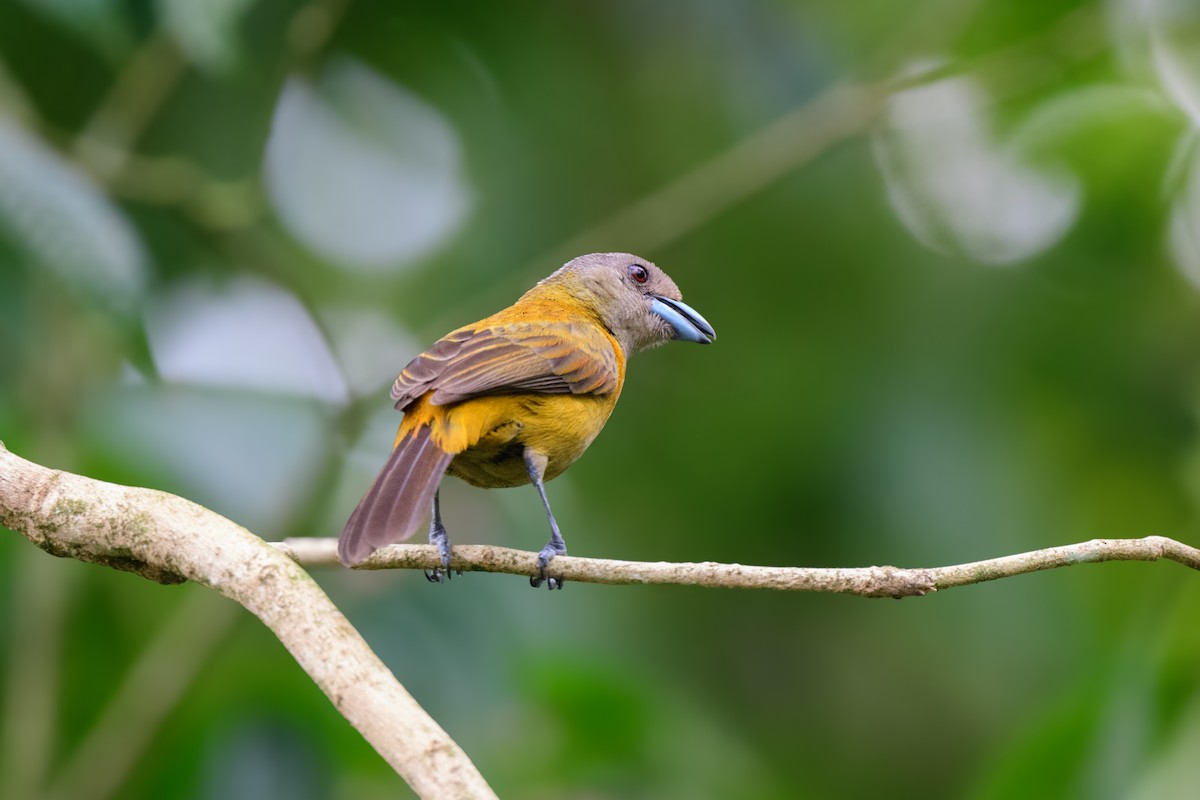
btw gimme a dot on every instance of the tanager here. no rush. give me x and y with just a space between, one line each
518 396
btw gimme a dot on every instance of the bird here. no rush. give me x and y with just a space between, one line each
517 397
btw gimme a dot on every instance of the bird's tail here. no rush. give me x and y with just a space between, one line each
392 508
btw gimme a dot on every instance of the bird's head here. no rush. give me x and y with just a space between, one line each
636 300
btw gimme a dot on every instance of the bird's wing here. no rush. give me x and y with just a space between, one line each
554 358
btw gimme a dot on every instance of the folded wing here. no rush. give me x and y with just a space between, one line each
554 358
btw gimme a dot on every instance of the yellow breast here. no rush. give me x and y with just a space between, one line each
500 429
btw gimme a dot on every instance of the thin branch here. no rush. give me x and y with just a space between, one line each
863 581
679 207
843 111
168 539
797 138
144 84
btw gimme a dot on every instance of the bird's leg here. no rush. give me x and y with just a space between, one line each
441 540
535 464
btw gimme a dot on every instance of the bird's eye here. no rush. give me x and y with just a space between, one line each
639 273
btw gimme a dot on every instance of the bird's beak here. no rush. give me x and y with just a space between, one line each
686 322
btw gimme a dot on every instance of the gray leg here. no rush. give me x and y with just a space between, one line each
535 464
441 540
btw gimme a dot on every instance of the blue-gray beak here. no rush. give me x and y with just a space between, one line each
687 323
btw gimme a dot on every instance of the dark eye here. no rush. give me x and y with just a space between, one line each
639 273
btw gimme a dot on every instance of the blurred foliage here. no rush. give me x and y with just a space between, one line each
962 328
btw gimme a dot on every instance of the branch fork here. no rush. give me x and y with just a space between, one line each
168 539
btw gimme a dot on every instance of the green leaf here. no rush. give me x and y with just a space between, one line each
206 30
1174 31
958 189
63 222
362 171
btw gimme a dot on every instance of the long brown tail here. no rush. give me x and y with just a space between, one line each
392 508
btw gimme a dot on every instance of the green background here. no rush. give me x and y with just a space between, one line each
955 322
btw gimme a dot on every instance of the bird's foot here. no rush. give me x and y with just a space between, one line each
441 540
548 552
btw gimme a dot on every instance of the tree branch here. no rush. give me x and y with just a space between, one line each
862 581
168 539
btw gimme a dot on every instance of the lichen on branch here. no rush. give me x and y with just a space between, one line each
169 539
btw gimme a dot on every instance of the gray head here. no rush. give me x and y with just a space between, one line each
636 300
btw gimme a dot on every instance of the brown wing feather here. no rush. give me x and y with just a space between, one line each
556 358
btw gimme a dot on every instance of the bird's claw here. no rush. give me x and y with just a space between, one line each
541 577
551 583
439 574
439 539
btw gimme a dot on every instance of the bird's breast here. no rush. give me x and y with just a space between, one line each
500 428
